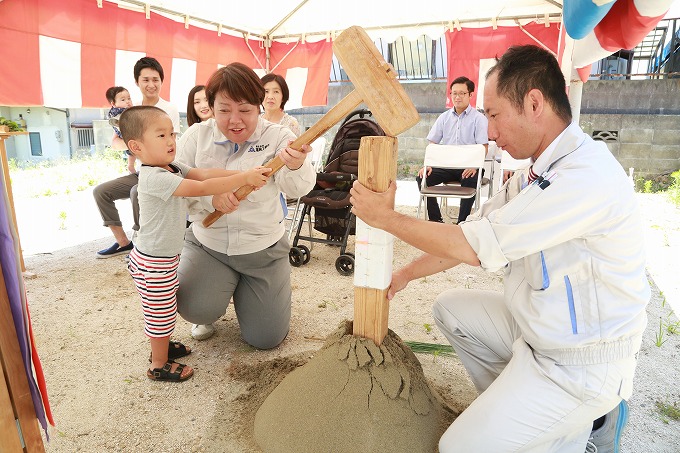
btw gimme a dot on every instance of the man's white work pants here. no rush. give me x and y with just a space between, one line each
528 402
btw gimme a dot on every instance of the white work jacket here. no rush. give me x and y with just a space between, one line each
571 244
259 220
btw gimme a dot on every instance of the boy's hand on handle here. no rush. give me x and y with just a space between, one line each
289 157
257 177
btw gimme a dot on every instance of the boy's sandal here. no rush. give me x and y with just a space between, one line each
176 350
164 374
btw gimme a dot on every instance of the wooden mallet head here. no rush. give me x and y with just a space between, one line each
376 81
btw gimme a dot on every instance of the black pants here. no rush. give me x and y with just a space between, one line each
440 176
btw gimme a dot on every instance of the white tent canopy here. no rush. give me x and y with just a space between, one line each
314 20
93 42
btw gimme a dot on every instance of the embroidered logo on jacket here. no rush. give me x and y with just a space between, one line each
258 148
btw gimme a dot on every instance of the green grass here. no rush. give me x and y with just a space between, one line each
668 411
668 185
431 348
62 177
673 191
659 339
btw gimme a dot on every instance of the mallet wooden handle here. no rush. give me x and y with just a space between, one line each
333 116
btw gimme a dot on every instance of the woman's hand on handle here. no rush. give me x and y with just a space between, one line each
226 202
292 158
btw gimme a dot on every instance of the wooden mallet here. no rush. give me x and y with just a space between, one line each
375 84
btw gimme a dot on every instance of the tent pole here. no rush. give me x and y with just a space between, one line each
288 16
267 53
575 95
571 77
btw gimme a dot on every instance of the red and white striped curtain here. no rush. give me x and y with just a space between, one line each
472 51
67 53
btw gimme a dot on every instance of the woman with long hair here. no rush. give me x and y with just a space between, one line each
197 106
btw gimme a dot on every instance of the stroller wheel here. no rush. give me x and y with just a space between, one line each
305 251
296 257
345 265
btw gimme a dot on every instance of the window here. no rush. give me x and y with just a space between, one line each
36 146
422 59
413 59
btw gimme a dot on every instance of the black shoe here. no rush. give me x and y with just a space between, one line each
114 250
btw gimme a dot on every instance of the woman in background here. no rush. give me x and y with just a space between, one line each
275 97
197 106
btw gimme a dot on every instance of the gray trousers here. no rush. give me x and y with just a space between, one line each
106 193
259 283
528 402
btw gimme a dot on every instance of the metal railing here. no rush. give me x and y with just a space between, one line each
422 59
657 57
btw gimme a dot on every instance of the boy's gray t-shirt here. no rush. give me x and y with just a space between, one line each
162 217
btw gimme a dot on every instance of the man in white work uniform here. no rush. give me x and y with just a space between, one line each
558 348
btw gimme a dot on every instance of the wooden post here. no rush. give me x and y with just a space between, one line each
373 247
16 401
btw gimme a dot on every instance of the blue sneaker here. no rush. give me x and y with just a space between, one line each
114 250
607 438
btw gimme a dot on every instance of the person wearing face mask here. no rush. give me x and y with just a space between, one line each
197 106
276 95
244 254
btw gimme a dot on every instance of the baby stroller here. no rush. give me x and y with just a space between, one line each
330 196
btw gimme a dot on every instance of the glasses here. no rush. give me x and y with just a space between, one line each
456 94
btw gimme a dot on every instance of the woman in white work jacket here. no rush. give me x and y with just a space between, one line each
244 254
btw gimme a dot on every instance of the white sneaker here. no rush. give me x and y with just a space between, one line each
202 331
590 447
607 438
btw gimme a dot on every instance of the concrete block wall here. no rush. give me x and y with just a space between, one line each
645 114
648 143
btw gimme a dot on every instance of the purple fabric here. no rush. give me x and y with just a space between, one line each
12 274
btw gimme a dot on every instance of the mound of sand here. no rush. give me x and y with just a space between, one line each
354 396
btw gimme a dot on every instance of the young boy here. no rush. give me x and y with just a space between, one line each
149 76
163 184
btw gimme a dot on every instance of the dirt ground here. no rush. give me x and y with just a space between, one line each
88 327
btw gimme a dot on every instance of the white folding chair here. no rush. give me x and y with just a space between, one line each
509 163
451 157
315 157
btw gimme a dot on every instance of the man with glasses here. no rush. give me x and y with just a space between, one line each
462 125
